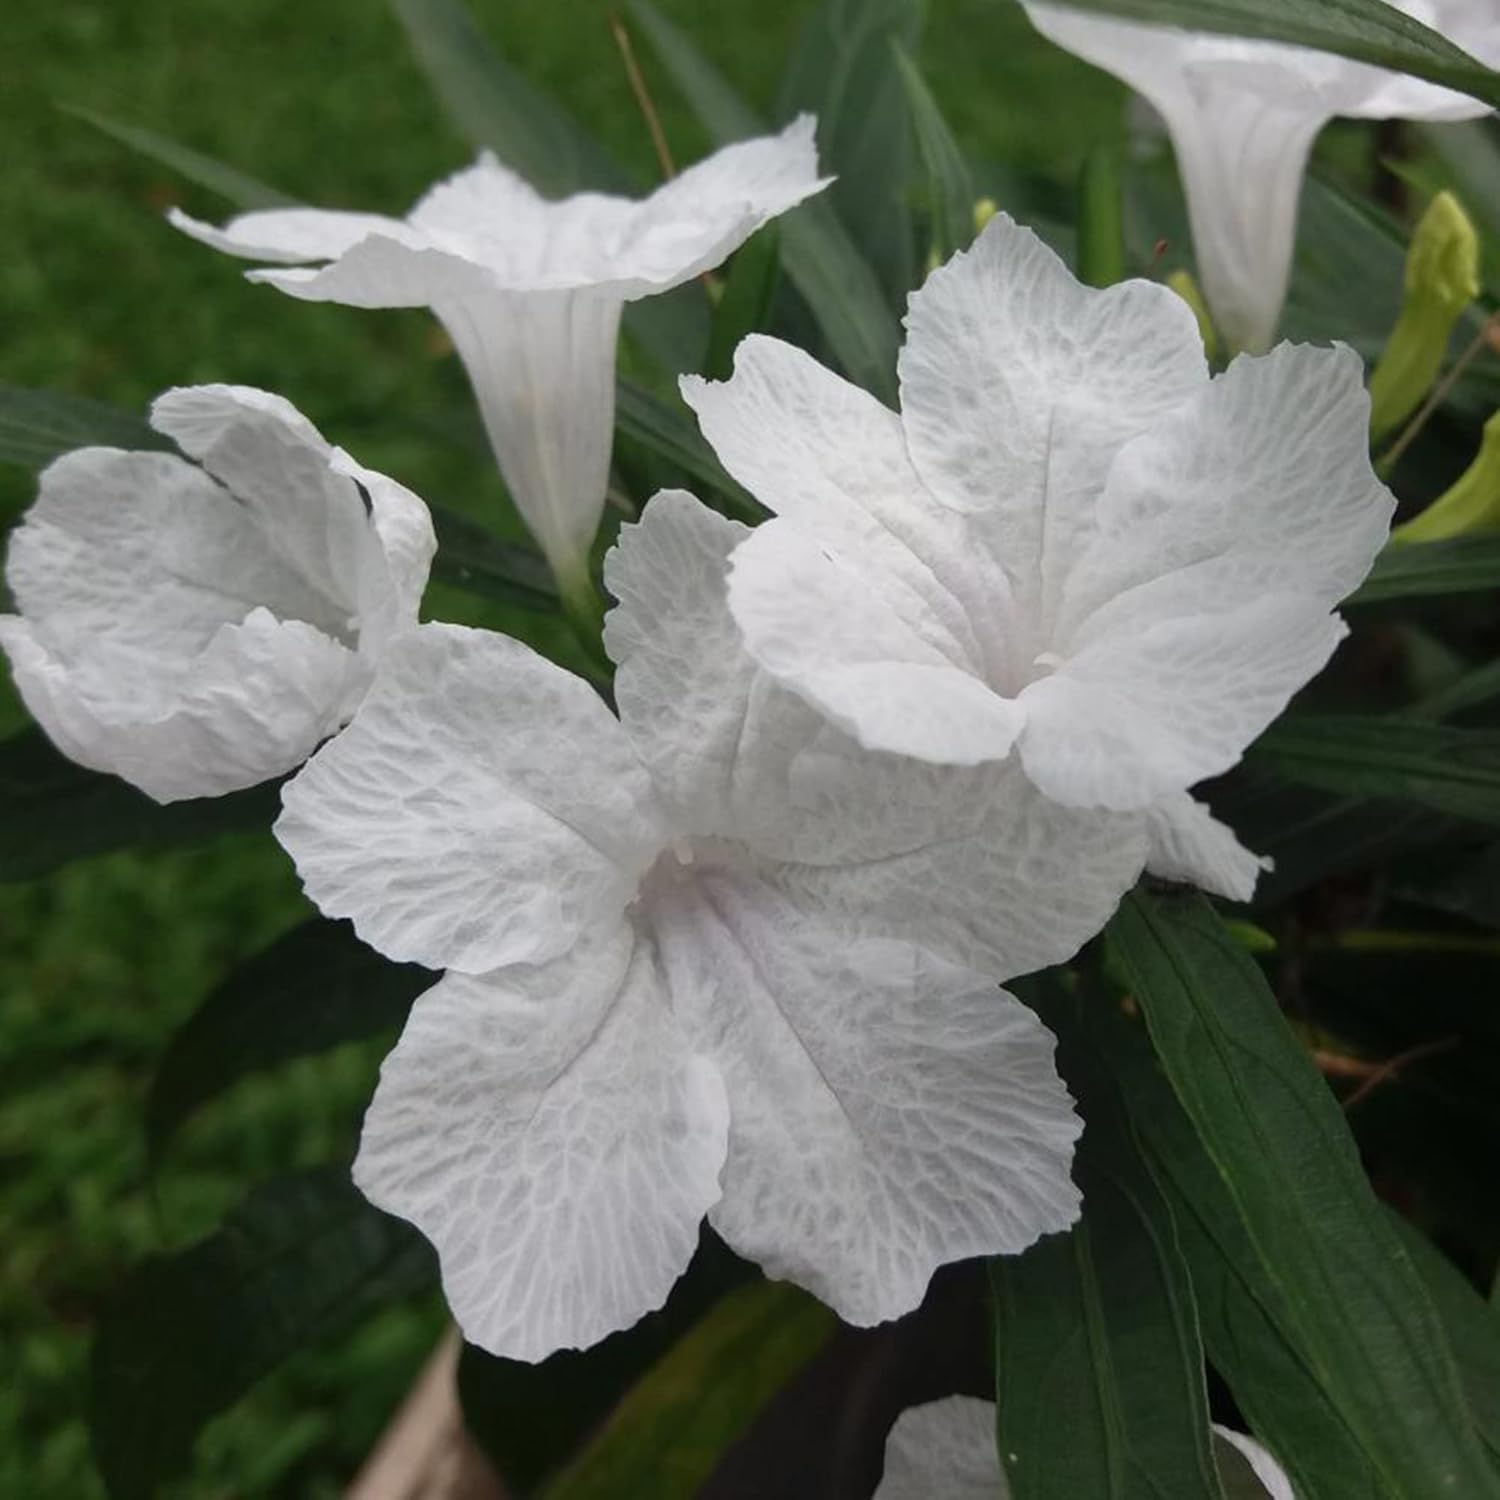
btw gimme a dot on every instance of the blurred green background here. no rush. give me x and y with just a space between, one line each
99 964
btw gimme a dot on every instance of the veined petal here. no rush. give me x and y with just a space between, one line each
289 235
944 1450
889 1112
549 1129
1190 845
881 674
484 808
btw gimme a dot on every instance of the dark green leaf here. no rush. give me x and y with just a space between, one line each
666 430
843 71
1468 886
1451 770
1472 690
471 557
1096 1334
1101 219
1406 570
1355 1308
301 1259
1367 30
52 811
745 299
37 426
667 1435
950 189
834 279
314 988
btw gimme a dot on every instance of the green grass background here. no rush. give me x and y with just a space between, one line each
99 963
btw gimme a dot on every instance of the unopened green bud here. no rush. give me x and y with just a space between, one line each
984 210
1472 505
1186 287
1442 279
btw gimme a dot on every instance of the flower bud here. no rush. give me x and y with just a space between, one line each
1471 505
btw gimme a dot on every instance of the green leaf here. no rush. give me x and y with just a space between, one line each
1101 219
950 189
667 1435
1355 1309
301 1259
36 426
667 430
843 71
240 188
1475 688
828 270
314 988
472 557
1452 770
748 289
1406 570
1367 30
1096 1333
52 811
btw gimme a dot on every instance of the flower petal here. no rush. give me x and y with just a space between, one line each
944 1450
551 1132
288 235
1190 845
1266 1469
484 808
889 1112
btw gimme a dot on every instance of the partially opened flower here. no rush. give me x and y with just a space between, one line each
1243 116
945 1450
701 959
200 629
1070 543
531 291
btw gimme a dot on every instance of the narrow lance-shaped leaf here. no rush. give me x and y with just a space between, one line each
472 557
37 426
746 293
666 430
1414 570
1274 1133
301 1259
950 189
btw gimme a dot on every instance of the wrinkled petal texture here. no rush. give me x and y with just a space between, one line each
552 1134
889 1112
483 808
944 1450
1191 846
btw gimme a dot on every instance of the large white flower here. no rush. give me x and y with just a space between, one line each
945 1450
706 957
1243 116
1070 543
531 292
200 629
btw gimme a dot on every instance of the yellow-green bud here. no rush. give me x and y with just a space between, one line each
1442 279
1472 505
984 210
1186 287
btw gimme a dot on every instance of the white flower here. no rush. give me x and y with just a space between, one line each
945 1450
200 629
681 969
531 291
1071 542
1243 116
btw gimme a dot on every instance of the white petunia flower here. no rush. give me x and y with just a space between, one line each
531 292
945 1450
1070 543
1243 116
200 629
705 957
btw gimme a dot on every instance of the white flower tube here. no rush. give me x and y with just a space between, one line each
1070 543
1243 116
531 293
708 957
200 629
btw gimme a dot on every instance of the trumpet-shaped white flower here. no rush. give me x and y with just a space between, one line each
945 1450
531 291
707 957
1070 543
200 629
1243 116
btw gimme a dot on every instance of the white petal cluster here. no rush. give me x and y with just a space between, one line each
1243 116
531 291
1071 545
945 1450
197 627
708 957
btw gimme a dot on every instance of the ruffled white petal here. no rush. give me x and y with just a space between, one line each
889 1112
1190 845
551 1132
1265 1468
484 808
288 235
944 1450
